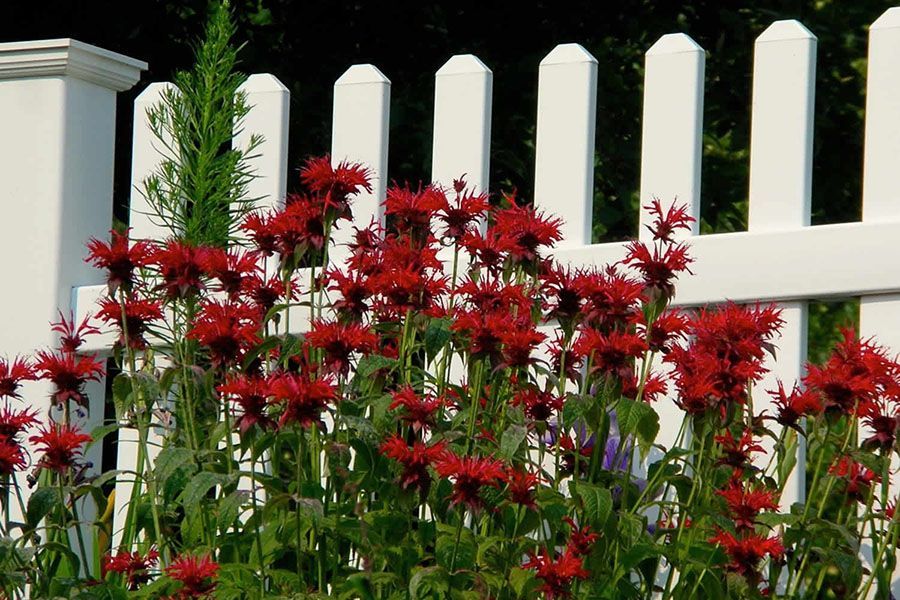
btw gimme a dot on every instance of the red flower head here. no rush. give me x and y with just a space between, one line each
791 407
527 229
519 340
265 293
881 417
12 458
418 410
251 394
659 268
612 353
229 268
258 226
12 374
339 341
227 329
668 327
336 183
665 223
60 445
354 292
179 266
746 552
68 372
521 486
857 477
493 296
302 399
611 299
415 461
197 575
412 211
654 387
737 453
856 373
489 250
71 337
470 474
565 363
581 540
119 258
467 210
132 565
138 313
538 405
745 503
15 422
557 574
564 294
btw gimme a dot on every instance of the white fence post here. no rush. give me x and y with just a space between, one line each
781 139
566 125
671 145
879 315
362 101
57 114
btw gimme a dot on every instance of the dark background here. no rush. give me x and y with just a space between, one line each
309 44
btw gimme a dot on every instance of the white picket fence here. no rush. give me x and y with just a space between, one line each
57 115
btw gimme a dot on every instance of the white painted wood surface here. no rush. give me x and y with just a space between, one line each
564 152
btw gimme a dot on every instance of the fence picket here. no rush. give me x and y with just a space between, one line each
879 315
566 124
781 139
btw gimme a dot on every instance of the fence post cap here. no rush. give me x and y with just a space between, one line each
65 56
357 74
889 19
789 29
462 64
262 82
674 43
567 54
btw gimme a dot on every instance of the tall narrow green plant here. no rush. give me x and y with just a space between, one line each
199 189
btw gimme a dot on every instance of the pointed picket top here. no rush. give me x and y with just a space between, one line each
153 92
889 19
462 64
358 74
261 83
568 54
789 29
674 43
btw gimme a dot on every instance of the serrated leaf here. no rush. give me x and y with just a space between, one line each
436 336
597 502
638 419
41 502
511 439
429 582
170 460
230 507
199 485
98 433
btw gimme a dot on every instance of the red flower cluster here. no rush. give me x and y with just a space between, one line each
61 446
197 575
470 474
558 572
746 550
133 565
416 460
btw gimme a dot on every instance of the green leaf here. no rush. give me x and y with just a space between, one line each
465 554
638 419
436 336
199 486
597 502
523 582
170 460
101 432
511 439
230 507
41 502
368 365
428 583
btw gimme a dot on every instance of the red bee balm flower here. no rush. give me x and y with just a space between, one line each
745 503
466 211
794 405
13 423
339 341
133 565
12 458
138 313
60 445
180 269
228 329
119 258
470 474
664 225
581 540
71 337
251 394
857 477
197 575
737 452
12 374
745 552
303 399
415 460
527 230
557 574
521 486
336 183
68 372
419 410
